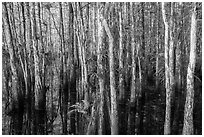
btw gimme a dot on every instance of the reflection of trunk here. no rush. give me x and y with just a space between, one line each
16 105
188 112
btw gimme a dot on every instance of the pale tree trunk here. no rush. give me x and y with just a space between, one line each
121 75
39 102
157 47
167 83
171 64
83 47
80 31
114 112
100 71
188 112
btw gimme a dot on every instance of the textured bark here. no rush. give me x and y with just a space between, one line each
131 118
27 42
73 71
171 64
122 104
188 112
167 83
100 72
64 77
121 75
39 93
114 112
178 90
157 46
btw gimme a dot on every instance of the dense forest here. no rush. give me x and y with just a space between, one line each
99 68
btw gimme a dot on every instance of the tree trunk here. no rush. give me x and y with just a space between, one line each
171 64
122 104
114 112
157 46
100 72
178 90
188 112
39 93
131 117
73 71
64 77
27 41
167 123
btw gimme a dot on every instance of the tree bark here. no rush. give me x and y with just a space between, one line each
131 117
100 72
114 112
64 74
171 64
188 112
122 104
167 123
73 71
157 46
39 93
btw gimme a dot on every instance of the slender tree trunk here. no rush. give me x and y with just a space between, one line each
131 117
121 75
100 72
43 70
122 105
64 75
167 84
39 93
171 64
30 95
27 41
188 112
73 72
178 90
114 112
157 46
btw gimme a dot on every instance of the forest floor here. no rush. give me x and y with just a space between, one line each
154 112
